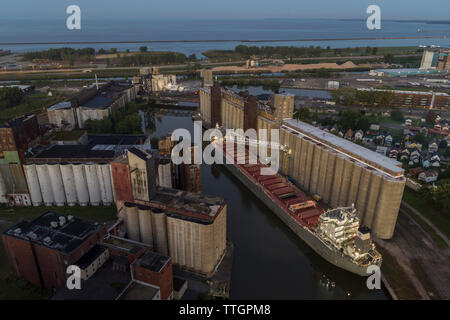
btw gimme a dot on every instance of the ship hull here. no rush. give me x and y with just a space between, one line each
310 238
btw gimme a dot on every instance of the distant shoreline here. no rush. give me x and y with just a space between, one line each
212 41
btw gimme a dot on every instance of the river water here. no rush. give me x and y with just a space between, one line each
270 261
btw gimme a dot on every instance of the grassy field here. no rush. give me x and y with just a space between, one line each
12 288
425 226
441 220
397 279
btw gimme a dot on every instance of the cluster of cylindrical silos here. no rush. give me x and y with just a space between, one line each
194 245
342 181
69 184
3 190
147 225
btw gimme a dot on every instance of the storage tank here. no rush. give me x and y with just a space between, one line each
3 191
93 184
331 164
372 198
314 184
80 184
145 224
44 182
354 184
322 172
165 174
363 191
57 184
106 173
132 221
346 182
33 185
101 183
337 181
309 163
160 232
69 183
389 201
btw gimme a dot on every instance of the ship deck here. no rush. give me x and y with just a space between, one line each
276 187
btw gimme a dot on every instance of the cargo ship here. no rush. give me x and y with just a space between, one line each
335 235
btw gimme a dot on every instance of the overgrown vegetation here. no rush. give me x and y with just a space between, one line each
350 97
267 84
125 121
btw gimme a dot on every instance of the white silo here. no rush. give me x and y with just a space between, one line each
3 197
159 224
57 184
106 172
33 184
132 221
145 224
165 174
92 183
44 182
101 183
69 184
80 184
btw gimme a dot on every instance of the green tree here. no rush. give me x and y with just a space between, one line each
302 114
397 115
143 49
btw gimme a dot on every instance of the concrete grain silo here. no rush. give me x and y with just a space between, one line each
69 184
314 184
101 183
44 181
337 181
33 185
57 184
145 224
93 184
309 163
386 212
363 192
331 164
165 174
159 224
346 182
354 184
106 173
80 184
372 198
132 221
322 172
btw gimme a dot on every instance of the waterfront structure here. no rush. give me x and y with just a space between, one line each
343 173
95 103
188 227
16 138
39 251
340 172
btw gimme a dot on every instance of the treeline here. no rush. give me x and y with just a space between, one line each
10 97
60 54
273 84
125 121
158 58
351 97
288 52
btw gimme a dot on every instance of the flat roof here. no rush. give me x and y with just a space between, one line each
87 259
74 151
152 261
355 151
139 291
64 238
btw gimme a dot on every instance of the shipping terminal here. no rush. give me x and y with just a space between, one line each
336 234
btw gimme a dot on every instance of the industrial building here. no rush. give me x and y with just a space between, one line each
39 251
94 103
16 138
151 82
76 174
340 172
343 173
188 227
438 59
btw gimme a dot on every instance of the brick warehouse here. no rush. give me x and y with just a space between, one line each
40 250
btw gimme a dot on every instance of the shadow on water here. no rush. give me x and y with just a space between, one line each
270 261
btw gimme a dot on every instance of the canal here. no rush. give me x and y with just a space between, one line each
270 261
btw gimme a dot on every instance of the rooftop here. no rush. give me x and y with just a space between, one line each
55 230
152 261
347 147
139 291
86 260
